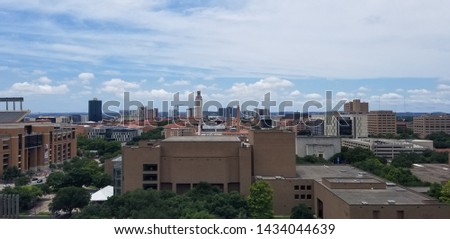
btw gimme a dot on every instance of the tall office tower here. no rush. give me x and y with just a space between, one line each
198 110
95 110
356 107
381 122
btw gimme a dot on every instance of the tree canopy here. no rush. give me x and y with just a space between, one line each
204 201
69 198
260 200
79 172
301 211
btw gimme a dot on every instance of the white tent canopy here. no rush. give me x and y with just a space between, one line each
102 194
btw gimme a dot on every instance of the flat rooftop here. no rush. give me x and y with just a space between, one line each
336 171
433 173
202 138
390 195
393 194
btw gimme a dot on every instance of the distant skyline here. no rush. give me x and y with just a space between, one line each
59 55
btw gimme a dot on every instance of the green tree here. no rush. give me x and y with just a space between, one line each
441 140
11 173
301 211
21 181
69 198
445 193
435 190
27 195
57 180
260 200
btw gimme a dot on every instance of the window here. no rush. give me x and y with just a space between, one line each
308 187
296 187
149 177
302 187
376 214
150 167
308 196
296 196
302 196
146 186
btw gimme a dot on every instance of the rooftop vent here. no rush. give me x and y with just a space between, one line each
364 203
391 201
389 184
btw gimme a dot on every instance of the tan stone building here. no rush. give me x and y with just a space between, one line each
381 122
427 124
29 146
180 163
356 107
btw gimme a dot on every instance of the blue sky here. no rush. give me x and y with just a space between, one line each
60 54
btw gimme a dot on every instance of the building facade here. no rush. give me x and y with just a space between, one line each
356 107
382 122
427 124
346 126
95 112
35 145
178 164
321 147
389 148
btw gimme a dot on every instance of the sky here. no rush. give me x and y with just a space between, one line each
394 54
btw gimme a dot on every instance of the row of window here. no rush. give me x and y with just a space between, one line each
303 196
302 187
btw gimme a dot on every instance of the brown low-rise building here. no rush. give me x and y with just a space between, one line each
179 163
29 146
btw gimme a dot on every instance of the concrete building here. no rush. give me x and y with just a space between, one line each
178 129
113 133
388 148
382 122
344 192
346 126
356 107
34 145
427 124
198 108
15 115
179 163
322 147
95 110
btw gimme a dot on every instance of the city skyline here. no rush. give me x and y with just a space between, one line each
60 55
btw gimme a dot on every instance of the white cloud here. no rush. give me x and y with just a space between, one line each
362 88
119 86
161 80
38 72
418 91
259 88
44 80
343 95
295 93
181 83
313 96
387 96
443 87
28 88
86 77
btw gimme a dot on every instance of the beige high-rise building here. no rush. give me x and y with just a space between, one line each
381 122
427 124
356 107
198 109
